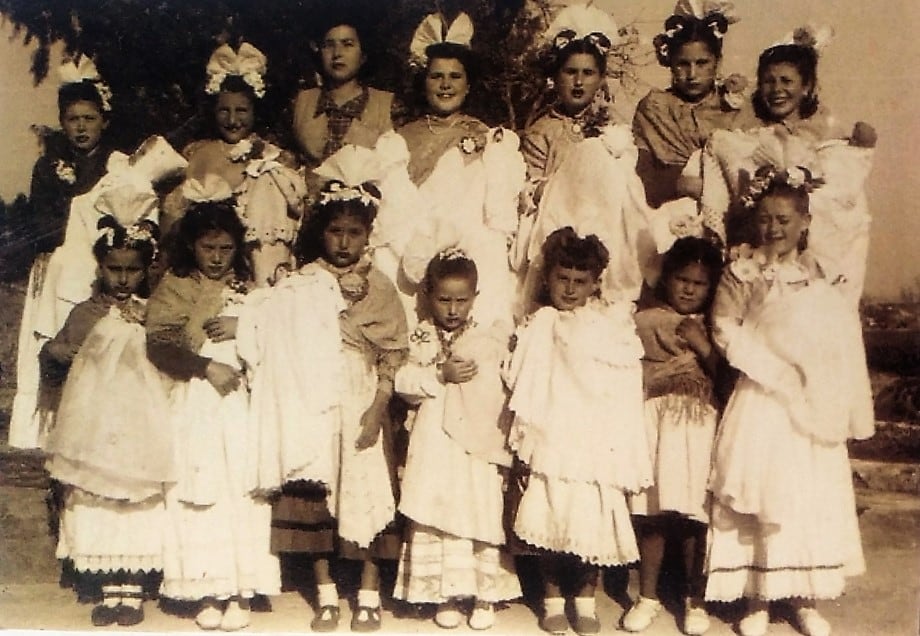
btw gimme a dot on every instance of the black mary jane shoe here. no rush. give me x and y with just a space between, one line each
104 615
326 619
128 616
366 619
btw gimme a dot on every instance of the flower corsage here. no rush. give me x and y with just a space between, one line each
235 292
472 144
65 171
732 91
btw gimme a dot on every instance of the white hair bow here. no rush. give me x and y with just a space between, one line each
699 9
348 170
248 63
75 71
435 30
809 36
210 188
581 21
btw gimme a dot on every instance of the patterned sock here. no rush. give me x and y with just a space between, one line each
111 595
554 605
368 598
326 594
584 606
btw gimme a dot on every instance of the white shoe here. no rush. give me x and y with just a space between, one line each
448 616
483 616
236 616
755 623
696 619
641 614
209 617
811 623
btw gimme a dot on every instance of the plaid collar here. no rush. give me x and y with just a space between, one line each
351 109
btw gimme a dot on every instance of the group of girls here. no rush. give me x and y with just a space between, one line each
491 283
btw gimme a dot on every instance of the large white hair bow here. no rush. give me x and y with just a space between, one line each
810 36
349 170
249 63
210 188
82 69
581 21
700 9
435 30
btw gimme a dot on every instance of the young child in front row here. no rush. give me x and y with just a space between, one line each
330 338
680 417
576 393
784 523
452 484
108 446
218 549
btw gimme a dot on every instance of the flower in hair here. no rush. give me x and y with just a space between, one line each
65 171
808 36
702 9
732 91
435 30
82 69
248 63
797 177
451 254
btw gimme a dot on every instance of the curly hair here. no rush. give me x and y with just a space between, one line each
119 239
564 248
83 91
687 251
309 245
201 219
557 58
450 266
681 30
805 61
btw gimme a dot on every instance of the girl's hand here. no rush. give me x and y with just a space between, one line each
371 423
457 370
695 334
220 328
224 378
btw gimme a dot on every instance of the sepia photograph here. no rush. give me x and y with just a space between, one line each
412 316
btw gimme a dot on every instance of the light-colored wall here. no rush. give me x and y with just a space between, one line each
869 72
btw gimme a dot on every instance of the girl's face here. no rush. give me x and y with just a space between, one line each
214 253
780 224
688 288
446 85
693 71
341 54
122 271
782 90
344 240
577 82
235 116
451 300
83 124
570 288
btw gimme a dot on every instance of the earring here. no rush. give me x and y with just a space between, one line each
550 83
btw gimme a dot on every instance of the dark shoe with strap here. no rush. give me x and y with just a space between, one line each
366 619
554 624
326 619
104 615
586 625
128 615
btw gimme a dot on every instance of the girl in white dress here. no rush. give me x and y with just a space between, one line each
108 446
783 523
452 484
218 549
576 393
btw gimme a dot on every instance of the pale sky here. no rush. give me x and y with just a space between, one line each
869 72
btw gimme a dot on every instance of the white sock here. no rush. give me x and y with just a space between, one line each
584 606
326 594
554 605
132 595
369 598
111 595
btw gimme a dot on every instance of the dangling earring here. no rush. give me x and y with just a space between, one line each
550 84
803 240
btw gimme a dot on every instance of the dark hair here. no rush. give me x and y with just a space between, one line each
201 219
681 30
443 51
121 241
452 266
309 245
83 91
805 61
559 57
566 249
336 19
686 251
